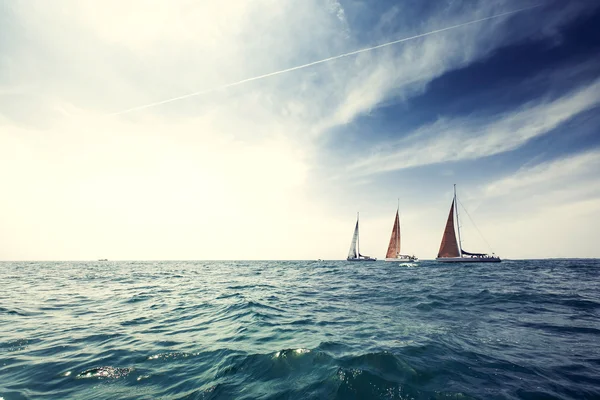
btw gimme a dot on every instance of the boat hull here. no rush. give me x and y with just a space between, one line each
468 259
402 259
360 259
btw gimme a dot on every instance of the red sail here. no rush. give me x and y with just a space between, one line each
449 246
394 246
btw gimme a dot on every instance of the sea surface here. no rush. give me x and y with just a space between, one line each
299 330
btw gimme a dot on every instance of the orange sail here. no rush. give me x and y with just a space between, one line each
394 246
449 246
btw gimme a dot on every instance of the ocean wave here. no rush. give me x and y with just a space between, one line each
299 330
104 373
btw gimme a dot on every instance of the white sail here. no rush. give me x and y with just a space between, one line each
352 253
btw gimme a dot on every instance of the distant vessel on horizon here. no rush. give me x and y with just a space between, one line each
393 251
451 250
354 252
103 259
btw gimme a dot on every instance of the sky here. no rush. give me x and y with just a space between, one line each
97 162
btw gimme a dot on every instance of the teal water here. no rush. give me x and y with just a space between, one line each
299 330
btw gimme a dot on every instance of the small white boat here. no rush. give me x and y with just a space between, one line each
354 252
451 250
393 251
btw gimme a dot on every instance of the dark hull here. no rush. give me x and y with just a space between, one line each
468 260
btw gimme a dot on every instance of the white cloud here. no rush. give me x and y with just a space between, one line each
578 170
551 209
222 176
477 136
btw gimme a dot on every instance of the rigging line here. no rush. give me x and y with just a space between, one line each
475 225
310 64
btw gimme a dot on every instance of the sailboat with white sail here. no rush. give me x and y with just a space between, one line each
451 249
393 251
354 252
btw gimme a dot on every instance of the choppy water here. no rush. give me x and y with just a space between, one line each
299 330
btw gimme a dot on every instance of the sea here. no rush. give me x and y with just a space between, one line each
299 330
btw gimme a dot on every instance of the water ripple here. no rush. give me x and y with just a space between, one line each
299 330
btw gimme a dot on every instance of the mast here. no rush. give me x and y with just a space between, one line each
398 229
357 236
457 223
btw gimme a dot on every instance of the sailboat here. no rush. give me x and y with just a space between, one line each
354 252
451 249
393 251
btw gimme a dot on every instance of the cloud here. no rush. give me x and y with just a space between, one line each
552 182
476 136
124 54
551 209
230 175
318 62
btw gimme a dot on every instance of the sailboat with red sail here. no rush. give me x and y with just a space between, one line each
393 251
451 249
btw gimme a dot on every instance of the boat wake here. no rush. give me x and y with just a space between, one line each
408 264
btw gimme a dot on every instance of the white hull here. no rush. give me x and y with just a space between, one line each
361 259
402 259
468 259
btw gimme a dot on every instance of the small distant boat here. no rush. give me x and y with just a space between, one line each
354 252
393 251
451 250
103 259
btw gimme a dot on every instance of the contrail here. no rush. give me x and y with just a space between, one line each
283 71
